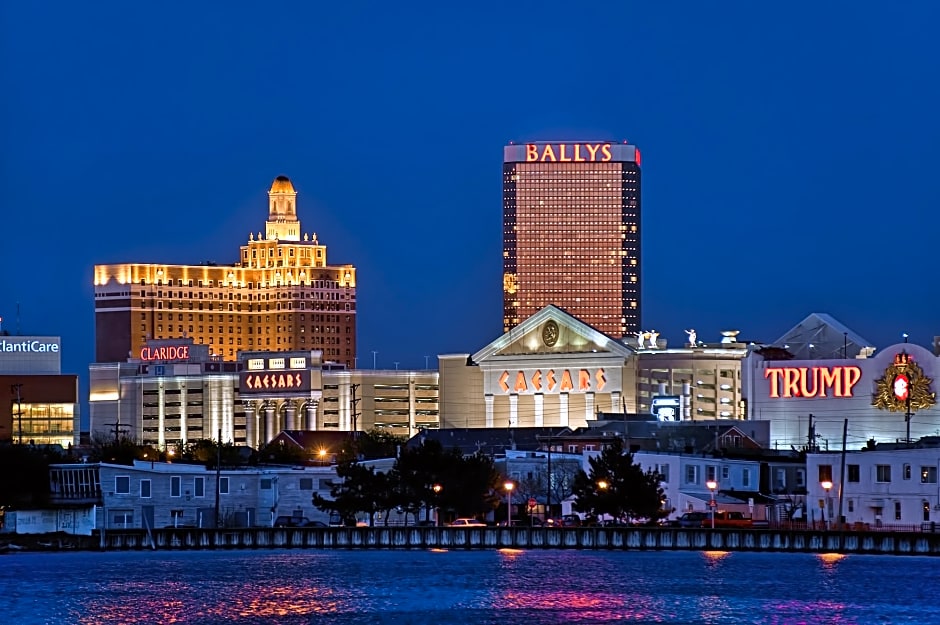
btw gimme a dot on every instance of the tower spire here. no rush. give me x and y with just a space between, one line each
282 223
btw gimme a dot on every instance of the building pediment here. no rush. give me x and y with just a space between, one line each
551 332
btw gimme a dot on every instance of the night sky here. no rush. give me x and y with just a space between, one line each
790 153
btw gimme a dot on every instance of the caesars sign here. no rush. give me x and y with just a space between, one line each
562 381
265 382
788 382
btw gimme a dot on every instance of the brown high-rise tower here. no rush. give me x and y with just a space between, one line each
280 296
571 233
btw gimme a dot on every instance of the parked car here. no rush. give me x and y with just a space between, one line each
571 520
291 521
692 519
728 519
466 522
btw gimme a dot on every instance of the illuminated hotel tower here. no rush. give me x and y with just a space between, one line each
280 296
571 233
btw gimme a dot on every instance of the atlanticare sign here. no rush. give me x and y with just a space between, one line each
813 381
28 346
551 380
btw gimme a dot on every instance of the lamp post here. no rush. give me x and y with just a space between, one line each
602 486
437 504
712 486
826 484
508 486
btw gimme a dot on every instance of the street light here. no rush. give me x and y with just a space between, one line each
712 486
826 484
437 508
508 486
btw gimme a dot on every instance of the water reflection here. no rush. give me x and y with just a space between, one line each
509 587
830 560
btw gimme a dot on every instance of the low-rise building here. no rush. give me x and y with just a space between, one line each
151 495
883 485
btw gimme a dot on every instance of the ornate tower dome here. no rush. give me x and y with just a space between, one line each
282 184
282 221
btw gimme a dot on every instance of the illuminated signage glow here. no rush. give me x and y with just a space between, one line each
274 381
28 346
902 387
568 153
256 364
551 380
171 352
790 382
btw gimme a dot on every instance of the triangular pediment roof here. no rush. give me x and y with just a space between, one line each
820 336
552 331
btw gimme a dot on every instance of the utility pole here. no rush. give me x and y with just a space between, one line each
845 432
117 430
811 436
16 389
353 405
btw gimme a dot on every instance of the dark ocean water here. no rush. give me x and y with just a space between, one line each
493 587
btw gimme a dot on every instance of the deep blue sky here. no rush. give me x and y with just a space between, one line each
790 153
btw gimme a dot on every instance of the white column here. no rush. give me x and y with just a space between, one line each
312 414
488 400
539 400
563 409
269 422
183 427
161 415
513 411
615 402
290 410
227 424
589 406
251 423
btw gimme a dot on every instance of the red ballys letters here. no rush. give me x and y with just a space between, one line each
568 153
812 381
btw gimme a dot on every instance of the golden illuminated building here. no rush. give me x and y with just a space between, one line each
281 295
571 233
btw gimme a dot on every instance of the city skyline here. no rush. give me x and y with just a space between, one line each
779 179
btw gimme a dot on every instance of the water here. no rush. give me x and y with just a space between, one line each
499 587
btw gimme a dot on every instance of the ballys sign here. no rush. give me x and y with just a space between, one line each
787 382
568 152
563 381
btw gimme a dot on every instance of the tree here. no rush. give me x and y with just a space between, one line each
114 450
376 444
618 487
362 489
24 474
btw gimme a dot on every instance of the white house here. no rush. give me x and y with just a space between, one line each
881 486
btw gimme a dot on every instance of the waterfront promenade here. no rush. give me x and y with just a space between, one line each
589 538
